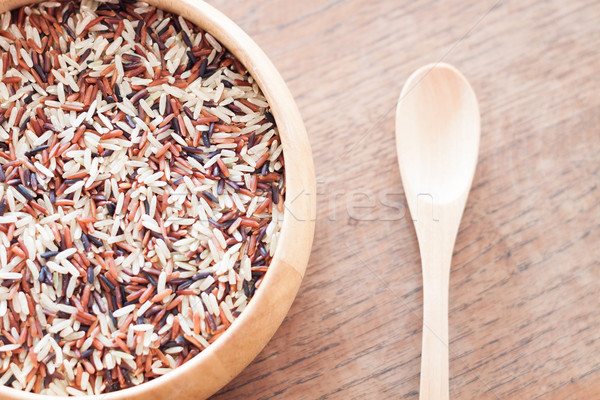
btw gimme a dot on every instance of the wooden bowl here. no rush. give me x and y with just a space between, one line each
231 353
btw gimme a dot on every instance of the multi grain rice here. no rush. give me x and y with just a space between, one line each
141 192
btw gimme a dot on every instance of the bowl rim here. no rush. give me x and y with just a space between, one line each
214 367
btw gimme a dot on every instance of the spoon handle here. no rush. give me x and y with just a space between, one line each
436 244
434 357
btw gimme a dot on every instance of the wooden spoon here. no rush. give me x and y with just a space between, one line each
437 139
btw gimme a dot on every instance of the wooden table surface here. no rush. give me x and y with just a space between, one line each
525 283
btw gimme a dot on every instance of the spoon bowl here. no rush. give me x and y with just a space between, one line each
437 139
438 131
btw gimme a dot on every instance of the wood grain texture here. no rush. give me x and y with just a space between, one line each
525 280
